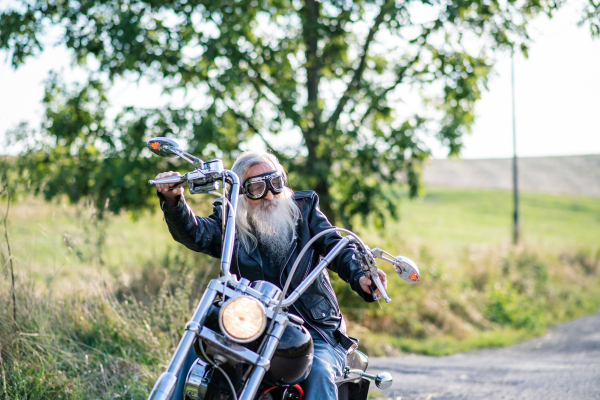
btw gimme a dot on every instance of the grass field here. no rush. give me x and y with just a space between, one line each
46 237
477 289
101 304
457 218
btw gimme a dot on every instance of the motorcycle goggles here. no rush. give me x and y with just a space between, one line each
256 187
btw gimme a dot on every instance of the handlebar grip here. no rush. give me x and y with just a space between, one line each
179 179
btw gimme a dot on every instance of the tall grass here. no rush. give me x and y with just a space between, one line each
481 299
477 289
106 340
99 311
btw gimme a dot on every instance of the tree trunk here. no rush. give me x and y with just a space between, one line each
318 162
325 200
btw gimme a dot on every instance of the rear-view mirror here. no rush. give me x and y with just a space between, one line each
164 147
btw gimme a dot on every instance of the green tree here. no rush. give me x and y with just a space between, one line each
591 15
347 76
77 155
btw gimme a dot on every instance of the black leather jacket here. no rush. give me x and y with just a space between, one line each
318 306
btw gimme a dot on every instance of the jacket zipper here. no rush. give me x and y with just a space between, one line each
308 265
288 260
332 295
334 302
305 274
286 263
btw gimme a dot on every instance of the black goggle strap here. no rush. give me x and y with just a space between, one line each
262 178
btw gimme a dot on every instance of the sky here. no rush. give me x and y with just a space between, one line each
557 94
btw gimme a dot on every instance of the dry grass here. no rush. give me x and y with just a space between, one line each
101 306
106 339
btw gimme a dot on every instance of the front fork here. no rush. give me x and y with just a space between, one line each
165 385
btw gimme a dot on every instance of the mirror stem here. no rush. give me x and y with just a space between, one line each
195 161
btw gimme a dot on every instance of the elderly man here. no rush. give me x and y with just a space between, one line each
273 225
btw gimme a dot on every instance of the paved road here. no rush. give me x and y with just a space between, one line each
564 364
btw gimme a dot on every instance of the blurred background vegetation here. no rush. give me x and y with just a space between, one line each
99 310
100 290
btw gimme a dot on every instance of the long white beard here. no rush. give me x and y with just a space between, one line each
273 228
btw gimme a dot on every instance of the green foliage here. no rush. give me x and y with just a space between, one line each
441 345
471 301
334 72
508 307
78 348
78 156
520 300
591 15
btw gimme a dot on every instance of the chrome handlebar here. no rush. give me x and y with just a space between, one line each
369 267
200 180
171 179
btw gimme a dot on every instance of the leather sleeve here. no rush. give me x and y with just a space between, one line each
202 234
345 265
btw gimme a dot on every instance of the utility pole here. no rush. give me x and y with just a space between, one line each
515 176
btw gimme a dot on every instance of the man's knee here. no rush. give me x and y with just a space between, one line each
324 369
328 363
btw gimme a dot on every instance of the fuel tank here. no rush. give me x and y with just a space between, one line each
293 358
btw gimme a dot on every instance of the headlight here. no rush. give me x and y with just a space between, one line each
242 319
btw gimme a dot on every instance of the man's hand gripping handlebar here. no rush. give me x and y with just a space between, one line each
404 267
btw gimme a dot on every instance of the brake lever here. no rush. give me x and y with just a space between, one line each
404 266
370 270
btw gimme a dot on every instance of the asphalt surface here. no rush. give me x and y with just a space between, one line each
564 364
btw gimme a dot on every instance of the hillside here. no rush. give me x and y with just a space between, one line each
568 174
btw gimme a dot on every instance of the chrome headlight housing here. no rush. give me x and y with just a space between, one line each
242 319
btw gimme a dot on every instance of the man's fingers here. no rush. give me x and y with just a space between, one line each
164 187
364 284
159 186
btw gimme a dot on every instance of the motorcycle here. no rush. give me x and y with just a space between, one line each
248 345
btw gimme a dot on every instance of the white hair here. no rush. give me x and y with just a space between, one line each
255 222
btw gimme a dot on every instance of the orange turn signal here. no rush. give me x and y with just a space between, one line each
154 145
413 276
